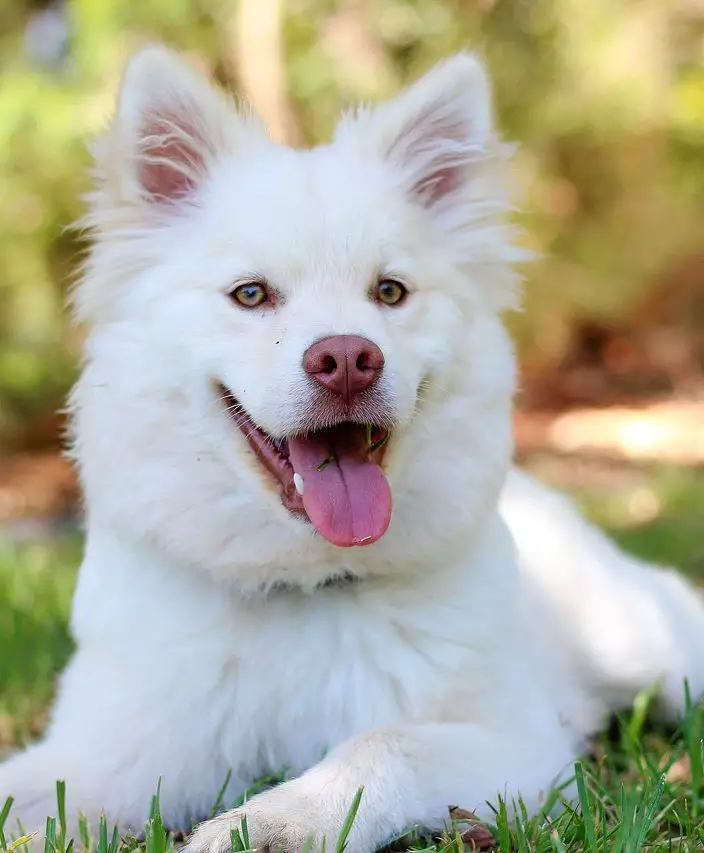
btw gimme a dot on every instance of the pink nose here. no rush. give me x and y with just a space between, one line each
344 364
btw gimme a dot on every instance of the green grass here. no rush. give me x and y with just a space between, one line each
642 789
36 583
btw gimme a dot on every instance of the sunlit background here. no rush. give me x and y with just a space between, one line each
605 97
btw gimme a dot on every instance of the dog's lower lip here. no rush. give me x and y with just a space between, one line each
271 452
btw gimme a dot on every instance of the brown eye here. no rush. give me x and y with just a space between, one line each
250 295
390 292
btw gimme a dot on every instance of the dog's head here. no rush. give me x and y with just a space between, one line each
296 351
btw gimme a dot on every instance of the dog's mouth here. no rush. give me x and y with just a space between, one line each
332 476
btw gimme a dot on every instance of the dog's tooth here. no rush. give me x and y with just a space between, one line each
298 482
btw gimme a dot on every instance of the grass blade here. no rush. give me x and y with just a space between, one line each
50 835
4 812
221 794
61 804
349 820
586 810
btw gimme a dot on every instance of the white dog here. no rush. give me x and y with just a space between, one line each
291 353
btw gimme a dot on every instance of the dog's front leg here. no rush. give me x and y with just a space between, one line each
410 776
114 740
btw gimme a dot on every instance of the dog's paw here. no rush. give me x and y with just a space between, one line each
282 820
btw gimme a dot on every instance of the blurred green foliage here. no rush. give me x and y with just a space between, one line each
606 98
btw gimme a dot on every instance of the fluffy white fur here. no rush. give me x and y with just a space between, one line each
453 670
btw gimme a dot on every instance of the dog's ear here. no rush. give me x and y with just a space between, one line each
435 132
437 142
170 126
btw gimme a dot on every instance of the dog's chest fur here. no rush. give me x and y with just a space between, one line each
298 674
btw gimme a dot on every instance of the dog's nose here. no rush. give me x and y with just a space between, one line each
344 364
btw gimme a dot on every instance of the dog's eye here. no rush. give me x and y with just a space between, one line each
390 292
250 295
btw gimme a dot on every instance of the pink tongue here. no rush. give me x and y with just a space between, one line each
347 498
